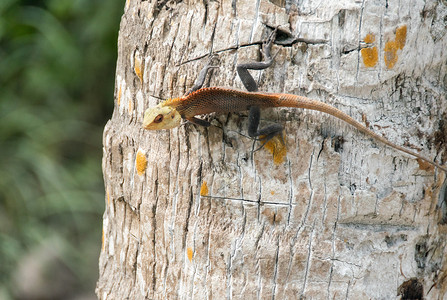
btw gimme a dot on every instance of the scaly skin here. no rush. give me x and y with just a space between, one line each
169 113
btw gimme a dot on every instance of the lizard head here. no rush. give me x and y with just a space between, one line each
161 117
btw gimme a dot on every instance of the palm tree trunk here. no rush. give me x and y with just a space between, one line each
192 214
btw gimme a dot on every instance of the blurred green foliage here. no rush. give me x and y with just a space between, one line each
57 68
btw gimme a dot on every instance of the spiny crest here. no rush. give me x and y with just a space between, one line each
173 102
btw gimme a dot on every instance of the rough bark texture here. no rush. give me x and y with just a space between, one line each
190 215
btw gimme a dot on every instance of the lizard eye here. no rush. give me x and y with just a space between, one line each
158 118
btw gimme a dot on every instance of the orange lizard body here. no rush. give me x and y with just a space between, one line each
169 113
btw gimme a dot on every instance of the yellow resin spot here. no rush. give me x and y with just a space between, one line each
370 55
391 47
204 189
401 36
189 253
141 162
118 100
277 147
138 66
390 54
370 38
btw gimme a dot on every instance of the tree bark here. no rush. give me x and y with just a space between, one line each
191 214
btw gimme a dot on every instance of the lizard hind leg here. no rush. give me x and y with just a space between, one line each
250 84
253 126
270 136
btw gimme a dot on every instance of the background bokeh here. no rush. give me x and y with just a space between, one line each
57 68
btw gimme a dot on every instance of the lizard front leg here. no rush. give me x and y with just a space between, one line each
198 85
200 79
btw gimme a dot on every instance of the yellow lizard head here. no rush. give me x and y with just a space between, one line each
161 117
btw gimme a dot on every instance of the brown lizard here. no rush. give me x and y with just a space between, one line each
200 101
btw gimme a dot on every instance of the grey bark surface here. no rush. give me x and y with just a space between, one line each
342 217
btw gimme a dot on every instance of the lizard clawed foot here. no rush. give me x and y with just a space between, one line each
275 144
267 46
270 138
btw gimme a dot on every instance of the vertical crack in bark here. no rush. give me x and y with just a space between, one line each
289 265
275 272
205 15
132 172
258 206
303 222
309 203
359 37
380 47
237 245
228 271
325 204
331 272
185 228
233 6
187 141
241 178
320 151
289 212
309 170
376 205
258 263
208 263
121 166
199 183
135 264
347 290
124 250
188 218
309 257
212 36
154 230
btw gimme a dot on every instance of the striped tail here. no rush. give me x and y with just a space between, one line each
287 100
